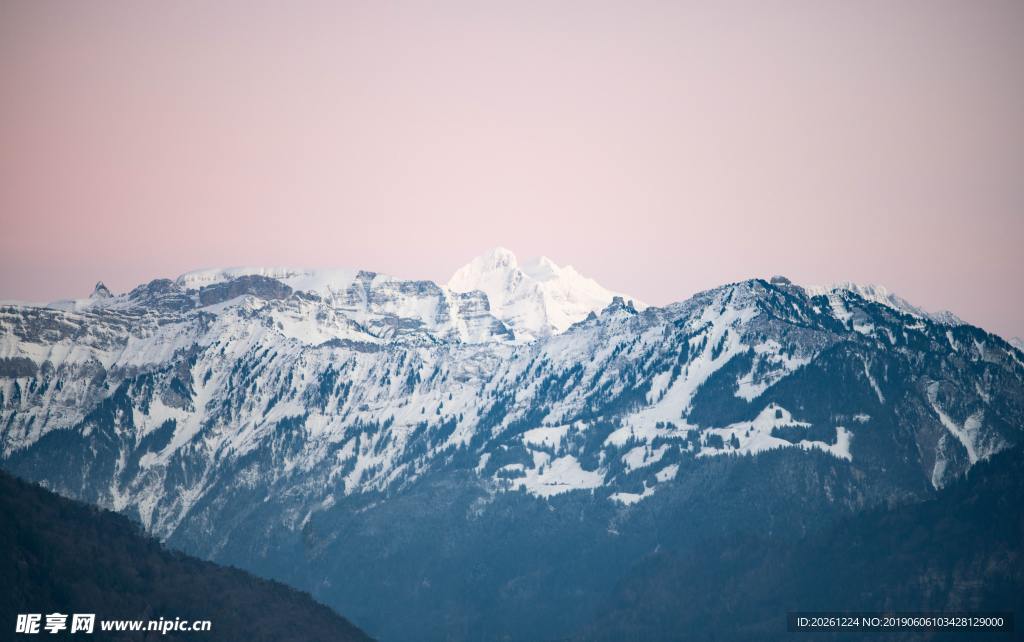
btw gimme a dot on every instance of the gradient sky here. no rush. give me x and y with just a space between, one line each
659 147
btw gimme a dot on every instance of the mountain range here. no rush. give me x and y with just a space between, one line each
490 458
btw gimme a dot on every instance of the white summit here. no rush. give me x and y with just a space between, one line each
881 295
535 299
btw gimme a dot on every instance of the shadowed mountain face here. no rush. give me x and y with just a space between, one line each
58 555
397 449
961 551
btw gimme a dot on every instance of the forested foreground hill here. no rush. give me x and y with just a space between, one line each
58 555
961 551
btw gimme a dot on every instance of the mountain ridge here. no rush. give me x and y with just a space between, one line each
302 434
366 317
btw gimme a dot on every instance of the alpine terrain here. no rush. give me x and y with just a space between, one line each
496 458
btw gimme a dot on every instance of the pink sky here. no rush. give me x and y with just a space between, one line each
660 147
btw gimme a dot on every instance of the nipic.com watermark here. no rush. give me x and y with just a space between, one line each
85 623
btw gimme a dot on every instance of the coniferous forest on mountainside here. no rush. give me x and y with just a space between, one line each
59 555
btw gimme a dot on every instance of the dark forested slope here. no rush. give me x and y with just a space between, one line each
961 551
58 555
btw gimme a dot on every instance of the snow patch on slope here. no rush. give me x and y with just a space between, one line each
552 477
752 437
967 434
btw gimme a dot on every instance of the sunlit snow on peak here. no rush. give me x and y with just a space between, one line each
881 295
537 298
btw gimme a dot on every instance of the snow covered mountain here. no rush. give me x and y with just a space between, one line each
881 295
307 425
535 299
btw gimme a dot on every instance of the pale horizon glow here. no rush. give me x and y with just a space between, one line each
659 148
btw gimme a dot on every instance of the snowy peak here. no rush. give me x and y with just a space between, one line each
544 269
538 298
881 295
100 291
498 257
